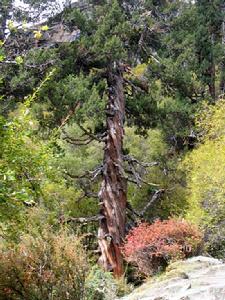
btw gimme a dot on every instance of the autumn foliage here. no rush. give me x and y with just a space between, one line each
51 266
150 247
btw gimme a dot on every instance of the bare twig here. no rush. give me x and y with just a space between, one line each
87 194
99 138
13 62
132 162
78 142
92 175
83 220
71 112
132 210
88 136
134 86
154 198
131 159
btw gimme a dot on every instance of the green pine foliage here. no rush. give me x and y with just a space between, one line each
53 120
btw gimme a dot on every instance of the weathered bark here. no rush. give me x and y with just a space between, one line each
113 192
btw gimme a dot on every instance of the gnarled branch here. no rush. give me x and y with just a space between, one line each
86 138
98 137
82 220
154 198
131 159
137 178
92 175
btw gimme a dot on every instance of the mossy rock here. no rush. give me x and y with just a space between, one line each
192 279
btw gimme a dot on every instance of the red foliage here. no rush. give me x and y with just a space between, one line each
149 246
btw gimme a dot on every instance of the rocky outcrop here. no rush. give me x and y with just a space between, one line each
198 278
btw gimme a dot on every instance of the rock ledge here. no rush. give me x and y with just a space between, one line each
197 278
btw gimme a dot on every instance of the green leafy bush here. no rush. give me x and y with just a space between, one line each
102 285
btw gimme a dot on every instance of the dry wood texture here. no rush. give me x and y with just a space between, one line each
113 192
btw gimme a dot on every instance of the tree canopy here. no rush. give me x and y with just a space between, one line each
111 115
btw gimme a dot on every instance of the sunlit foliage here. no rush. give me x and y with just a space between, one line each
206 175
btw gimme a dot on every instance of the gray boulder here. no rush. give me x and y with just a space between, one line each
197 278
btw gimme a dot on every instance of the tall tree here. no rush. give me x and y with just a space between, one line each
105 59
96 88
108 53
208 37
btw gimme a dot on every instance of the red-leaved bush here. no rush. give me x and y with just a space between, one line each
151 247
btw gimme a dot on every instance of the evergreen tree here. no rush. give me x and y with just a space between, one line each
106 53
208 41
126 63
96 81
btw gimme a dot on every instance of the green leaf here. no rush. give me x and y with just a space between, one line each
19 60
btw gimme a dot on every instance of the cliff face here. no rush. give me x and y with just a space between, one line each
198 278
20 41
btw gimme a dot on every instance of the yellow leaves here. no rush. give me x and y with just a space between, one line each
11 26
46 114
44 28
37 34
211 120
139 70
205 167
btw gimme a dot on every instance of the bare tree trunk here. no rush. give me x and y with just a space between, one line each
113 192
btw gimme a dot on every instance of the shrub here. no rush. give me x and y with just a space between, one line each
151 247
205 169
51 266
102 285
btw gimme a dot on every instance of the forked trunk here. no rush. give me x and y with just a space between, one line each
113 192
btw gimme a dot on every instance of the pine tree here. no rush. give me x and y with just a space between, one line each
121 64
103 68
208 39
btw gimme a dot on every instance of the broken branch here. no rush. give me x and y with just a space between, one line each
83 220
131 159
155 197
88 174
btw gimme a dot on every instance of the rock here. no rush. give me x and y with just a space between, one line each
197 278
